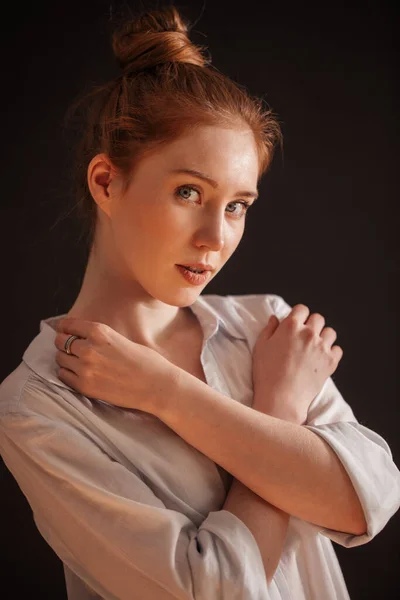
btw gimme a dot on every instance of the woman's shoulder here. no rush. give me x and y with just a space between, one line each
11 389
23 391
33 388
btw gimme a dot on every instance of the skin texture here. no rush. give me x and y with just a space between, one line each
132 292
293 359
131 282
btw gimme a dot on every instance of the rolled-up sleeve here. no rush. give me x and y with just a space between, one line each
368 461
365 455
112 531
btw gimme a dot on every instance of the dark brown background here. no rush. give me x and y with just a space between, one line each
323 233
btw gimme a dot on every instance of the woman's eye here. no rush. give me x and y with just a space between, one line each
185 192
245 206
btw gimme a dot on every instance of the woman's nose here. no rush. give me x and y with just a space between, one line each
211 233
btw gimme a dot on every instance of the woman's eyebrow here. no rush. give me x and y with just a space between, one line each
212 182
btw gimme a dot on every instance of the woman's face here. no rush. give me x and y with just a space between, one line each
170 217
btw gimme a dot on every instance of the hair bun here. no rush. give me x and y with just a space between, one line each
153 38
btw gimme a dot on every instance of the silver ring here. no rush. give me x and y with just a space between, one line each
68 343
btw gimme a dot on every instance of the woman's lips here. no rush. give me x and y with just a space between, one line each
193 278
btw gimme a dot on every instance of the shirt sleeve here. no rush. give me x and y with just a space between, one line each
364 454
111 530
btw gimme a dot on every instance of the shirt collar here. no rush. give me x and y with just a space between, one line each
40 355
214 311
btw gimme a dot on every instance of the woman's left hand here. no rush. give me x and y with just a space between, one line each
106 365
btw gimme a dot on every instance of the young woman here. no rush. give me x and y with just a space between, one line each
173 444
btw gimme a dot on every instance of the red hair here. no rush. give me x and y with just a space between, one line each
167 86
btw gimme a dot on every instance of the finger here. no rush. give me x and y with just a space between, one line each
74 326
272 325
69 378
75 346
329 335
299 312
317 322
67 361
337 352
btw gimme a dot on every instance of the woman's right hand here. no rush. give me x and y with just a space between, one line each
291 361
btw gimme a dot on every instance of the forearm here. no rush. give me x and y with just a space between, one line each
296 470
267 523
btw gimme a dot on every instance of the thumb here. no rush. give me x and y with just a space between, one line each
271 327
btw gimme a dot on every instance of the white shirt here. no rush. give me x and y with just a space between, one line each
134 512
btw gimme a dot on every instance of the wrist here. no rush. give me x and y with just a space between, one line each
163 389
280 410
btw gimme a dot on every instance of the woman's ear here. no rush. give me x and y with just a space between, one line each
103 182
